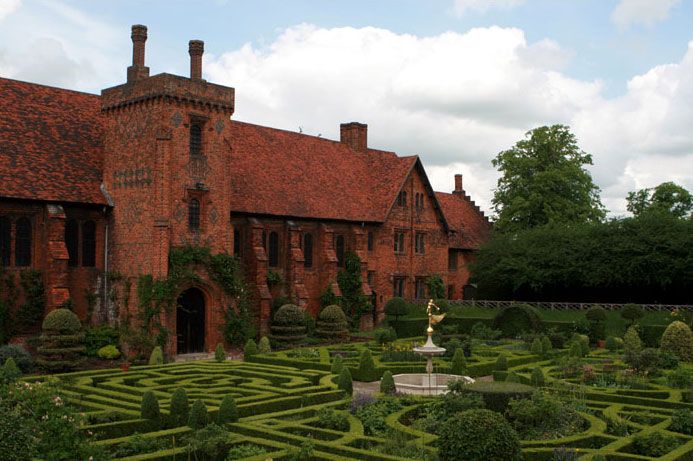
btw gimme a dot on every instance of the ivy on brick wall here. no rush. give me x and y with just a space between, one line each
158 295
353 301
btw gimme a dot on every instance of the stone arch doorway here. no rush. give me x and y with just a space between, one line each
190 321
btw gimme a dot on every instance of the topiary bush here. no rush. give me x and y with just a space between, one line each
288 325
385 335
537 379
632 313
458 366
546 346
220 353
250 348
337 364
228 412
497 395
366 370
387 383
97 337
109 352
613 343
179 409
501 363
150 406
198 415
61 341
478 435
517 319
678 339
535 348
20 355
264 346
157 356
332 323
596 317
9 372
345 382
396 307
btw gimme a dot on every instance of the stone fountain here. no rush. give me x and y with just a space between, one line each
428 383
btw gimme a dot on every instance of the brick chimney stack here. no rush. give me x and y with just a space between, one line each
138 70
458 185
355 135
196 48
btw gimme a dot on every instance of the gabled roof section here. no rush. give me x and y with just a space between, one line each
50 144
282 173
469 226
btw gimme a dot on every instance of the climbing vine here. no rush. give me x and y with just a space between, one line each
353 300
158 295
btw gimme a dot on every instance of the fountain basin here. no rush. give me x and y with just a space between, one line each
425 383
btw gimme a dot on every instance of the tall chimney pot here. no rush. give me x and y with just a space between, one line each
138 70
458 184
196 48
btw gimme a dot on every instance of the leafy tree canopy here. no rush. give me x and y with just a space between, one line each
543 181
668 198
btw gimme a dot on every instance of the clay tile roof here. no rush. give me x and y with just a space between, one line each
469 225
282 173
50 143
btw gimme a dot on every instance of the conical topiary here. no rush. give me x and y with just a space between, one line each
264 346
546 346
344 381
198 415
513 378
537 378
228 413
458 366
536 347
250 348
366 370
150 406
220 353
337 365
180 408
501 363
10 371
387 383
157 356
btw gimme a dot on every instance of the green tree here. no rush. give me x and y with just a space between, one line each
543 180
668 198
228 412
354 302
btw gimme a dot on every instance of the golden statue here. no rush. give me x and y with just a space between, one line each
432 318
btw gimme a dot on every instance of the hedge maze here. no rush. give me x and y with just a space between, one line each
282 400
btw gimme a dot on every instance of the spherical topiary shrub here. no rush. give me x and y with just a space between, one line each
387 383
198 415
150 406
396 307
288 325
517 319
180 408
332 323
345 382
109 352
228 413
678 339
61 341
497 395
478 435
61 321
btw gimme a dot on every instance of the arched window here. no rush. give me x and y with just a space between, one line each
194 214
339 249
5 237
22 243
308 250
273 249
89 244
195 139
72 241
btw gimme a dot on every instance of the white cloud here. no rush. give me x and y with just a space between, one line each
461 7
458 99
646 12
7 7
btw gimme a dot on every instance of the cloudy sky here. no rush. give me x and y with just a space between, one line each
454 81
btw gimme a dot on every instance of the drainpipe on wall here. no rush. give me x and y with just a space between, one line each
105 272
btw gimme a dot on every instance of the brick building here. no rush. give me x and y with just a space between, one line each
107 184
